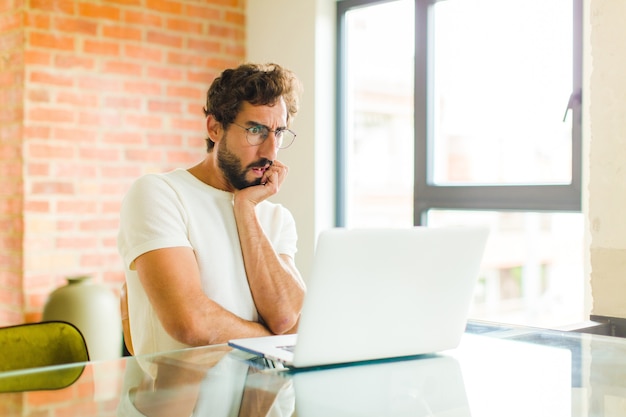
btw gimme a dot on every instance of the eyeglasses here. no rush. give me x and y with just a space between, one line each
257 134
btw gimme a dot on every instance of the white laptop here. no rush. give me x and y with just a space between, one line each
381 293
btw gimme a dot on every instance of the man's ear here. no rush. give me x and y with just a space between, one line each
214 128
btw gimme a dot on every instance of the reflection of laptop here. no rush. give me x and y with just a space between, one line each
431 386
381 293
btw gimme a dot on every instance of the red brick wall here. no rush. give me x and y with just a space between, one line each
112 89
11 186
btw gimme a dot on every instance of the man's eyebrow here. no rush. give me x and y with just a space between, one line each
252 123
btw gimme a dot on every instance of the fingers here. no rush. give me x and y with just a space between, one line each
275 174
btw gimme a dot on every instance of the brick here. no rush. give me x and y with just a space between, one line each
195 108
206 13
165 73
183 158
122 32
72 134
55 79
174 41
164 139
172 7
123 102
53 6
11 115
33 57
46 40
124 68
144 121
37 20
193 93
142 87
75 26
98 224
10 21
143 53
126 138
99 154
38 96
101 47
74 170
77 99
115 206
126 2
117 171
40 150
99 118
238 18
184 25
168 106
188 124
10 169
227 32
37 169
142 18
99 83
98 11
40 114
52 187
186 59
203 45
36 132
37 206
74 62
13 204
76 207
144 155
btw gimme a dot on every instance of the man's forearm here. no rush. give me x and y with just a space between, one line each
275 283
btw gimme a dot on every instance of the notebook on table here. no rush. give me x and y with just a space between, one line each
379 294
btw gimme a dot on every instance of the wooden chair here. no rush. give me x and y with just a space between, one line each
37 347
128 341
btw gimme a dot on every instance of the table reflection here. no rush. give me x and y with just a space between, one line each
503 371
428 386
236 384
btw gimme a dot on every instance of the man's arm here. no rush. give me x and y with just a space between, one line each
171 280
275 282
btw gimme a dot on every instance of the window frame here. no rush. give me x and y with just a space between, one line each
427 195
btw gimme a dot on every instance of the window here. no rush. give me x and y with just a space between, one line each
468 111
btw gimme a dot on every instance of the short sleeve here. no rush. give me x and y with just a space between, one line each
151 217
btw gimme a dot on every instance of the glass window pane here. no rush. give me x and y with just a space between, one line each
532 269
502 80
379 114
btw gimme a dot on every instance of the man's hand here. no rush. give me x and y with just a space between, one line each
271 181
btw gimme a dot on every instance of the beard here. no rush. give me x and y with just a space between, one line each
230 164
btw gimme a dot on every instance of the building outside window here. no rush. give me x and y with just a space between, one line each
468 112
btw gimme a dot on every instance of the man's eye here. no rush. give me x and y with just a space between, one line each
256 130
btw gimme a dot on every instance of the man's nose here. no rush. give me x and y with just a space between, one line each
269 148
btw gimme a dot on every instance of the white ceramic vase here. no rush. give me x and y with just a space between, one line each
94 310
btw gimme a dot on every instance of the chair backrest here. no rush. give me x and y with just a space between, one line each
36 346
128 341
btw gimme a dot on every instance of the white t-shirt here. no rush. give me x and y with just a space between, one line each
176 209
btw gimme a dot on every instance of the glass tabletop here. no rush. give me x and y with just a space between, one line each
497 370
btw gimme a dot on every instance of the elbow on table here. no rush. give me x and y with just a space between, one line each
284 324
184 331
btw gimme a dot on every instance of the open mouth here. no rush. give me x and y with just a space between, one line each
258 172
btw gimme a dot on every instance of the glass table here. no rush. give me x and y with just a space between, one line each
497 370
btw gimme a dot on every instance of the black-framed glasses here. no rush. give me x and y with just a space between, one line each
257 134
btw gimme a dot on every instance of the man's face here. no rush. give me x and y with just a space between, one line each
243 164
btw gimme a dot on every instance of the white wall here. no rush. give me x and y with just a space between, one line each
607 156
300 36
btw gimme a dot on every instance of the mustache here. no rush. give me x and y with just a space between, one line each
260 163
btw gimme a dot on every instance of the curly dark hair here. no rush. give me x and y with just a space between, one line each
258 84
